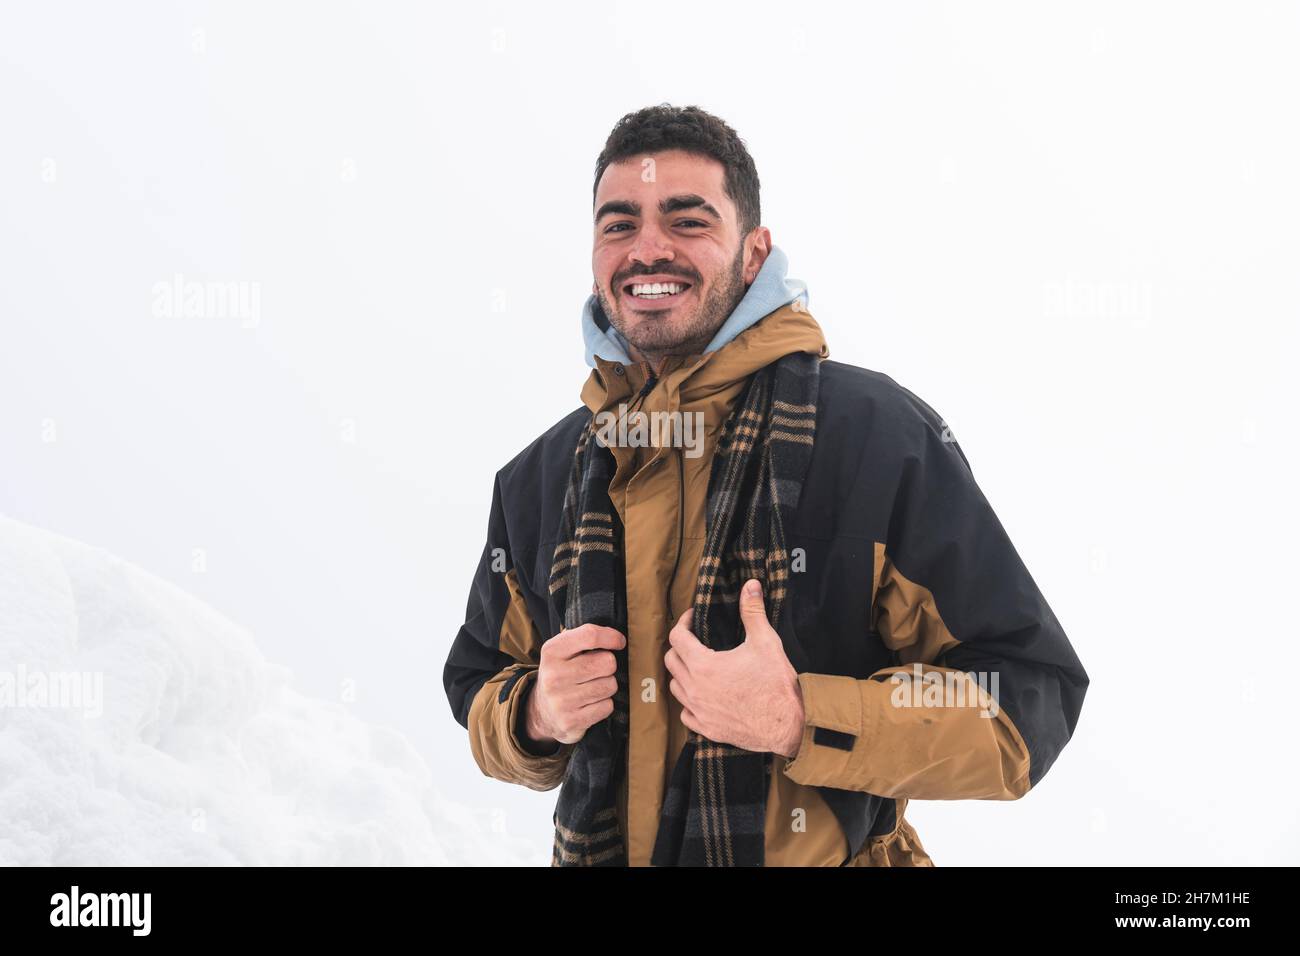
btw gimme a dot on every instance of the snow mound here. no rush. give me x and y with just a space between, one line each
140 727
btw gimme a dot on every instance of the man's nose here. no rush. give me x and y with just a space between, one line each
652 245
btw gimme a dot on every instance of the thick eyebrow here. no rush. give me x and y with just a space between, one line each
626 207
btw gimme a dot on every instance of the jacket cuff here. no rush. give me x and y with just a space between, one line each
835 726
496 743
858 737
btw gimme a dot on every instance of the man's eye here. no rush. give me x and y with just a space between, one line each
615 226
691 222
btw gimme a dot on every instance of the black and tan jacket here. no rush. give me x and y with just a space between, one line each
902 568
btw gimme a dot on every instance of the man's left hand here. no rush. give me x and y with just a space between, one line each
748 696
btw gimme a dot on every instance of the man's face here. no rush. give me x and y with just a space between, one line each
664 218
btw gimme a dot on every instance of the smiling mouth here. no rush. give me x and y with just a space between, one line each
661 294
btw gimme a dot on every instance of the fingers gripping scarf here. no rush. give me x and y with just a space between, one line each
714 810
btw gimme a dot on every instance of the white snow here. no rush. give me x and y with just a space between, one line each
199 751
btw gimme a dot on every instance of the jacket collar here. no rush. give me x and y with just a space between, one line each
683 382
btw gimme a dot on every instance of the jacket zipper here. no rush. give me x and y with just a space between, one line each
652 378
681 525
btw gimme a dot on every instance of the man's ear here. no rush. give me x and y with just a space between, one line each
759 245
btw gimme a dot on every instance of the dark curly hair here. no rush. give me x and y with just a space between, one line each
688 128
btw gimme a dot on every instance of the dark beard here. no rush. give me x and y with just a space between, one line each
652 338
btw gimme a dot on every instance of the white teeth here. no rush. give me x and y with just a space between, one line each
656 290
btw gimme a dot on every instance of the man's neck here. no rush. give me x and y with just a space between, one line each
657 359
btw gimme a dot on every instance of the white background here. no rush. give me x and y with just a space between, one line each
1071 228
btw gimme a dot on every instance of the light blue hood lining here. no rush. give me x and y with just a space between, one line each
770 290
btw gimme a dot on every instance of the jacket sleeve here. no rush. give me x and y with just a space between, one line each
493 665
984 690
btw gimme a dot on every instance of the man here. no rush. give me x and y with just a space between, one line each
752 637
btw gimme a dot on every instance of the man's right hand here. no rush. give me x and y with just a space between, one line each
575 684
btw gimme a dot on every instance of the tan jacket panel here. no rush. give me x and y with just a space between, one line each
951 747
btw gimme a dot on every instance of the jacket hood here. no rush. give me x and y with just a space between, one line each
770 290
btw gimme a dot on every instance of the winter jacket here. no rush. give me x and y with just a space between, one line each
905 584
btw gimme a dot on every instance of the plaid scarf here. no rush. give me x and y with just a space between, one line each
715 807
